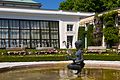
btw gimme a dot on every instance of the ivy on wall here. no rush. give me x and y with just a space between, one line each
94 35
97 31
110 31
90 35
81 35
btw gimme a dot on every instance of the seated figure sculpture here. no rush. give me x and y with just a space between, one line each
78 62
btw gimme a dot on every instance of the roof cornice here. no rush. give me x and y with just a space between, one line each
39 11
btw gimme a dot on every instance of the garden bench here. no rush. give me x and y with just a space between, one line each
96 49
16 51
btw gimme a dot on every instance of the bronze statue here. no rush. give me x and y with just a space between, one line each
78 62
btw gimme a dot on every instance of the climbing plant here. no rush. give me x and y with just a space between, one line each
95 34
97 31
81 35
90 35
110 31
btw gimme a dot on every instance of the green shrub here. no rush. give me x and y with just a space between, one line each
105 57
57 57
3 51
30 58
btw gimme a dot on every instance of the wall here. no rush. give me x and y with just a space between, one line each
63 21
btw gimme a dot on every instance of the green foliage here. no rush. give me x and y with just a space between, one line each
3 51
111 34
31 50
90 35
57 57
69 3
104 57
30 58
109 16
97 31
110 31
110 23
81 35
89 5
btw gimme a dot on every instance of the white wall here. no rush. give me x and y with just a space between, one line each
63 21
64 33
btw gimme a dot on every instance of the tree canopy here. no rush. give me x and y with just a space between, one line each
89 5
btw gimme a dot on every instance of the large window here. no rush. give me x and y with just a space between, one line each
29 33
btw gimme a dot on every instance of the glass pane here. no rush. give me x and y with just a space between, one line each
34 24
25 34
3 23
35 34
14 34
24 24
4 34
14 24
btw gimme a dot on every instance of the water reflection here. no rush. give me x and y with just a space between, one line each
60 74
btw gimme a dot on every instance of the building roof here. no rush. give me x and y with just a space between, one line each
26 1
39 11
91 18
87 20
20 4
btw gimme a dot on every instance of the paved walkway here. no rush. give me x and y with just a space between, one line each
88 63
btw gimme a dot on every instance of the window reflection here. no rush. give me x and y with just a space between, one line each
29 33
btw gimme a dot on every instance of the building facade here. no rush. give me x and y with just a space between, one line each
30 26
91 21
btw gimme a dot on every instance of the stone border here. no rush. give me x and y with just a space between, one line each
103 64
7 66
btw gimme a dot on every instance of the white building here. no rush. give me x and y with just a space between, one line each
22 22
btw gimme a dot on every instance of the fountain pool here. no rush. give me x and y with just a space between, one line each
59 74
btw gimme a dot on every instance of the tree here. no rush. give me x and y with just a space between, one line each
67 5
89 5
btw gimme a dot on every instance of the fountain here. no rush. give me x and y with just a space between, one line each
59 74
78 62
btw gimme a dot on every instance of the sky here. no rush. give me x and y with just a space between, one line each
49 4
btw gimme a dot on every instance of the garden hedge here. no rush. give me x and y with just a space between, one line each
55 57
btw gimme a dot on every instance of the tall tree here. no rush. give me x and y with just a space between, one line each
89 5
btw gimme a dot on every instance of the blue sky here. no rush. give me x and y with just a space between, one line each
50 4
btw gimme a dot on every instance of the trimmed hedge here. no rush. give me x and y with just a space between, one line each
105 57
31 58
59 57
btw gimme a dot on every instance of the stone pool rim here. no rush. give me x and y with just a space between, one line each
6 66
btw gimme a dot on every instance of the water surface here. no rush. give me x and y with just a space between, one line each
60 74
